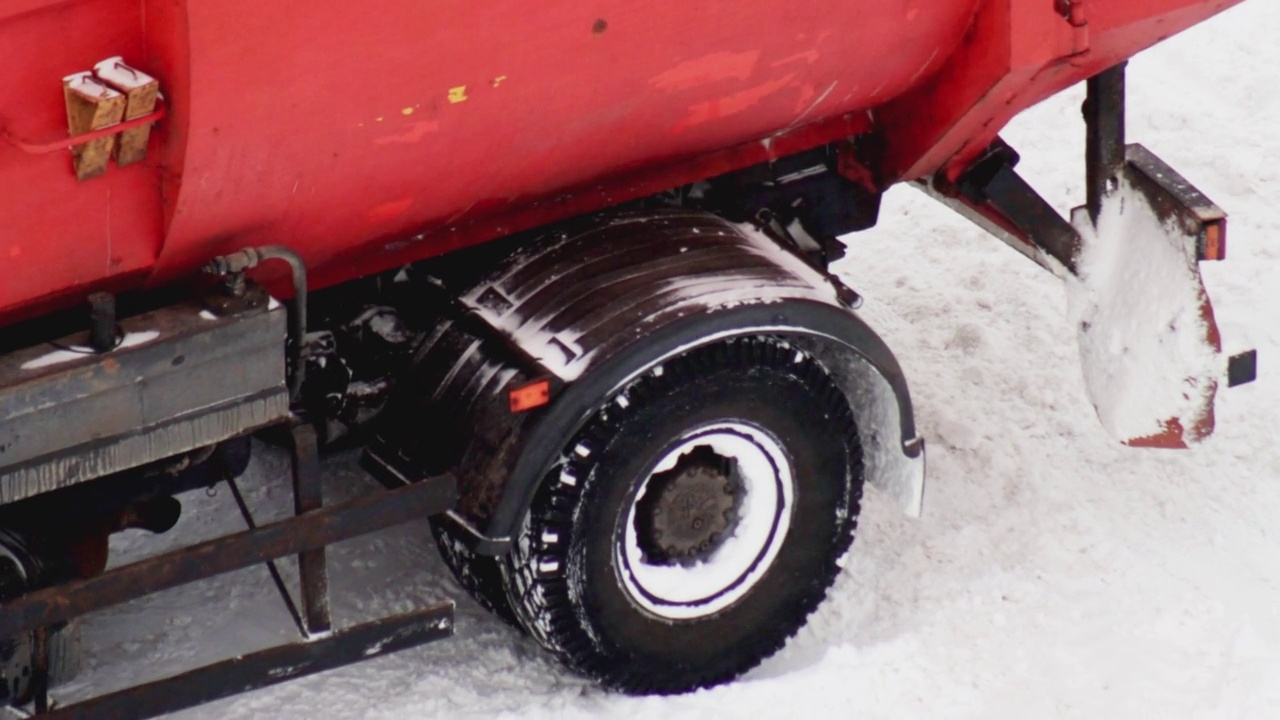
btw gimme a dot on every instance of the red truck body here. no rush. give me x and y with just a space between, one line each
366 137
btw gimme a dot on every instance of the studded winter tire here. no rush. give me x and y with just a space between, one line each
694 522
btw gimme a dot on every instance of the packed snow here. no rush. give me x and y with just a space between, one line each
117 74
1055 573
79 352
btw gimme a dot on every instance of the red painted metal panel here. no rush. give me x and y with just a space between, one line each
365 136
59 236
1016 54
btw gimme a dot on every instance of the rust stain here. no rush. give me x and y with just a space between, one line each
390 210
707 69
416 132
731 104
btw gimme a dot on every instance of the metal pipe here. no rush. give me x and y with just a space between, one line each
252 257
297 312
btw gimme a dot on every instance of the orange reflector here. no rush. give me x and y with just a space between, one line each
527 397
1215 241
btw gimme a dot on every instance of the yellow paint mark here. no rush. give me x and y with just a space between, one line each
458 94
498 80
407 111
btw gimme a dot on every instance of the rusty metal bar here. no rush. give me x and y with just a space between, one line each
215 557
308 497
274 571
40 671
265 668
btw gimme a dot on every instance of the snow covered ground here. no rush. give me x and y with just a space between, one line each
1055 573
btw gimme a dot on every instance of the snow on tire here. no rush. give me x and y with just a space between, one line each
702 522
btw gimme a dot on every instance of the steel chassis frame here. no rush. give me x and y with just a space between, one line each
306 534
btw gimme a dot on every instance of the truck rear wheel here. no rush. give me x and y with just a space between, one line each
694 522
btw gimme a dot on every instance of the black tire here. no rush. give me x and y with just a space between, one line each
17 654
479 575
563 575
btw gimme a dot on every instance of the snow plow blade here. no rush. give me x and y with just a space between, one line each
1149 345
1150 349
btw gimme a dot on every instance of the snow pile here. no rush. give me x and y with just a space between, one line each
1148 365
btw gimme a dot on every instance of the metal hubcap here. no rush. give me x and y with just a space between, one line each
689 509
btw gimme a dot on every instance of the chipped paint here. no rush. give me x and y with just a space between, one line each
706 70
390 210
816 103
498 80
809 56
458 94
407 111
731 104
416 132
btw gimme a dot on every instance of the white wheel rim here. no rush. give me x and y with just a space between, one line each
680 593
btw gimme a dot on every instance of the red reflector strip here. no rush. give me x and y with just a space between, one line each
527 397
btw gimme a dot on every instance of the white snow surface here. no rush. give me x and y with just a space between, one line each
79 352
1055 573
1144 350
117 74
88 85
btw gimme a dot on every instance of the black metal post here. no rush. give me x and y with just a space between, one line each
102 322
1105 142
308 496
40 670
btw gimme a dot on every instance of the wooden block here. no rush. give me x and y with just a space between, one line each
91 106
141 91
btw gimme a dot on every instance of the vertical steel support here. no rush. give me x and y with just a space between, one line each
1105 143
40 670
307 496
